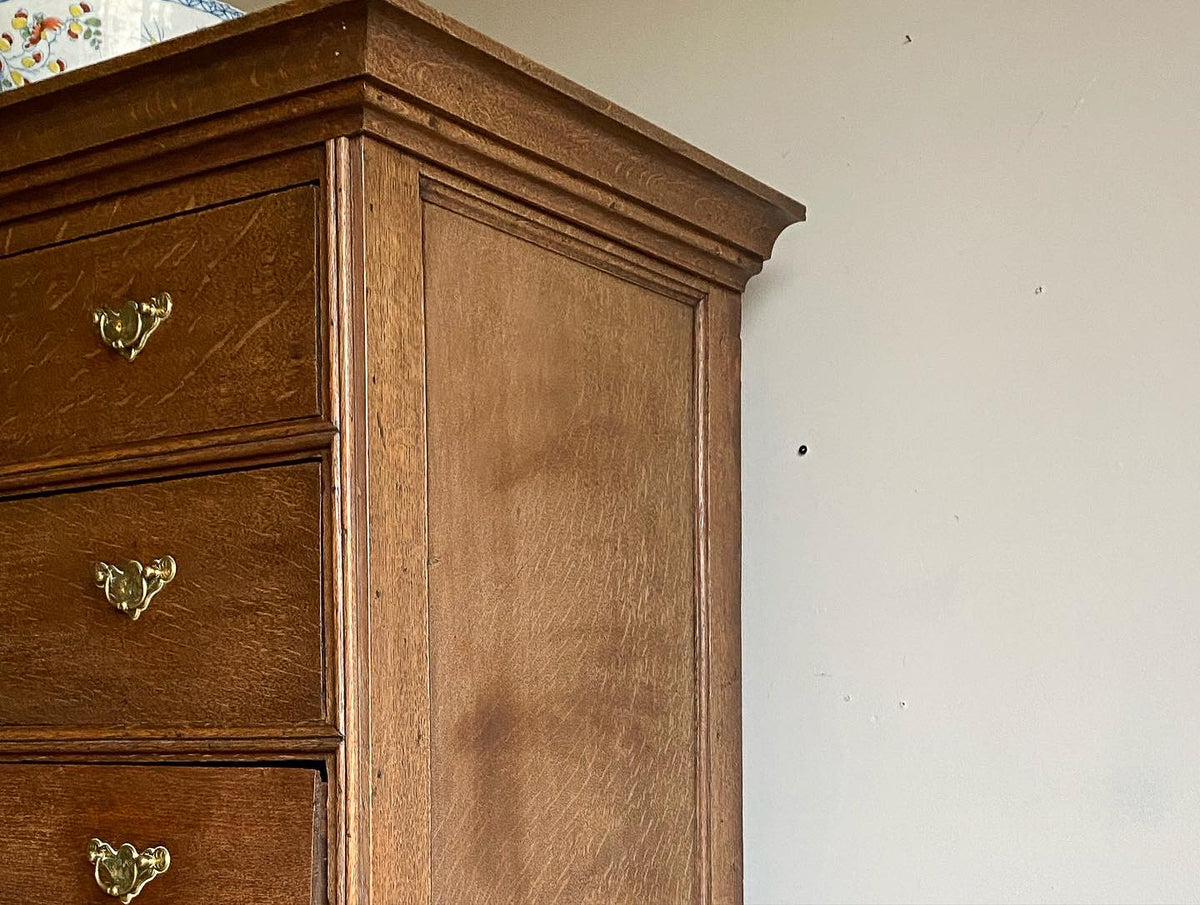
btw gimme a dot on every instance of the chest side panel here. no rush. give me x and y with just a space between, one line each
562 501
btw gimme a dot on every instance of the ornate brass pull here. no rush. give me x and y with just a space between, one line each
130 589
127 328
122 872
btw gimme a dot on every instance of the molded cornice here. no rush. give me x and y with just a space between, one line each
314 69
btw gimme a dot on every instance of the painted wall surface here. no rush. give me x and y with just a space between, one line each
972 610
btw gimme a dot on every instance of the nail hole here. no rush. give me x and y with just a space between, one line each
802 451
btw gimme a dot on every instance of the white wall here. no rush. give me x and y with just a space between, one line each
971 617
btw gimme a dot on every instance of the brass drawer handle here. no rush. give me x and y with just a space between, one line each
131 588
122 872
127 328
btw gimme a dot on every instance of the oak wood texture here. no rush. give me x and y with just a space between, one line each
240 347
175 187
455 396
397 529
562 608
172 456
235 834
233 642
721 531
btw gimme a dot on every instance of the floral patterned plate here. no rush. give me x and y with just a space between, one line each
40 38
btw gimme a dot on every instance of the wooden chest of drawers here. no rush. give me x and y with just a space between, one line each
368 477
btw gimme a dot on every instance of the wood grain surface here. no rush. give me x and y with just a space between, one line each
396 527
240 347
119 199
722 438
562 499
235 834
234 641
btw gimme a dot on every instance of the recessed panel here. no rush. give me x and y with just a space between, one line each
561 406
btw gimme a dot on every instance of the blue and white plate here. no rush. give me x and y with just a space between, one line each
41 38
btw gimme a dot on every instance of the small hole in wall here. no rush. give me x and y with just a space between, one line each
802 451
903 704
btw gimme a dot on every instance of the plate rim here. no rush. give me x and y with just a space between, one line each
223 11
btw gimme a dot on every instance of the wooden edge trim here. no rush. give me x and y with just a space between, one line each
271 127
358 101
426 133
345 245
282 14
626 119
722 545
470 200
121 204
315 736
357 104
250 751
230 449
703 764
336 805
396 590
473 80
308 43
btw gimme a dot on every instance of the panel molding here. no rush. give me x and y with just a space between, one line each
227 449
547 231
296 739
85 216
703 762
563 601
350 842
510 216
427 133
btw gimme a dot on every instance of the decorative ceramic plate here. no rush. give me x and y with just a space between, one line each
40 38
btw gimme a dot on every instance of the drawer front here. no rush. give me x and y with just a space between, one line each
233 834
232 640
238 348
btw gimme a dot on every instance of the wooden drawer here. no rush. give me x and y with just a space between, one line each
239 347
234 834
234 640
